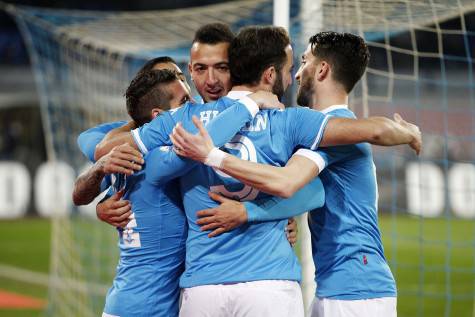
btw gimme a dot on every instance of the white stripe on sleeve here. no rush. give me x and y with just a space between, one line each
138 141
320 133
314 157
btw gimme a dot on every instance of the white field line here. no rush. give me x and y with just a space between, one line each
44 279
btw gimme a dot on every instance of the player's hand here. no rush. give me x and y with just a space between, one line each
229 215
416 143
266 100
122 159
193 146
291 231
114 211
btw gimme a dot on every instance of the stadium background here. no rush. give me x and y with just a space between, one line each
421 66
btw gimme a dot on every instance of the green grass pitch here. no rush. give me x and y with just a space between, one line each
433 261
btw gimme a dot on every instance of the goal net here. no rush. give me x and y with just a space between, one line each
421 67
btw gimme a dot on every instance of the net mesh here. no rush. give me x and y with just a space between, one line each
421 66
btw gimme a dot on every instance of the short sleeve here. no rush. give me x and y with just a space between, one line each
305 127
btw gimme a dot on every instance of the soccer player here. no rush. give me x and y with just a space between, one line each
352 276
209 66
252 269
152 242
122 158
151 253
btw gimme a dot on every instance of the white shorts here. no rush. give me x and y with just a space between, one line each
374 307
253 299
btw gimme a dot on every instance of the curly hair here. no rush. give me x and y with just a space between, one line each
147 91
347 54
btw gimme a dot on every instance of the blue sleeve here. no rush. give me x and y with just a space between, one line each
225 126
335 154
305 127
311 196
163 164
88 139
156 132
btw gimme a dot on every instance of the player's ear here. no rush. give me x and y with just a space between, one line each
156 112
323 70
269 75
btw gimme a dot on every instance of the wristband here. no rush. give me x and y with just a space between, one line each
215 158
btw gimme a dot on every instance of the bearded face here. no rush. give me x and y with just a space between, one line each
278 88
306 89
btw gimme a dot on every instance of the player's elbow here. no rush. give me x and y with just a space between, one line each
285 189
79 200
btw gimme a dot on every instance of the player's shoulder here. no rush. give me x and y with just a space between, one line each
340 112
106 127
183 108
302 112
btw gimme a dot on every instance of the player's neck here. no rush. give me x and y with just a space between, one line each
329 98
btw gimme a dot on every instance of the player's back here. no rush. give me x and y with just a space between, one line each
346 241
256 251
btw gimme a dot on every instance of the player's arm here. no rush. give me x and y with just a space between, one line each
168 165
115 137
374 130
277 181
230 214
156 133
283 181
122 159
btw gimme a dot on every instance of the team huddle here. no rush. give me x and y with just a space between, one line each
203 190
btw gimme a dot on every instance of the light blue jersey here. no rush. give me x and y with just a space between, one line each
346 241
152 246
258 251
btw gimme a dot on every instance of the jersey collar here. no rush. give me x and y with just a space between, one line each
238 94
334 107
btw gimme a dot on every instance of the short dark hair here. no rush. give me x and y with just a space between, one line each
214 33
149 65
254 49
347 54
146 91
